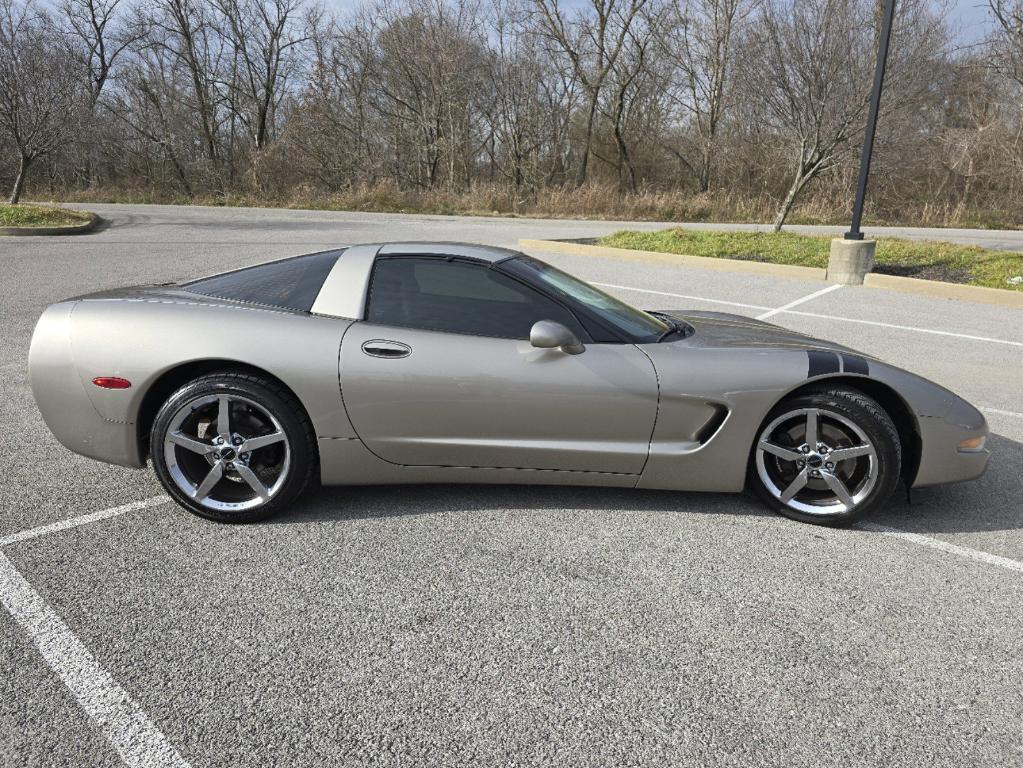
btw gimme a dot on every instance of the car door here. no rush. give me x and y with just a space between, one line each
441 373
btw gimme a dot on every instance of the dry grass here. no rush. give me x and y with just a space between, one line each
593 201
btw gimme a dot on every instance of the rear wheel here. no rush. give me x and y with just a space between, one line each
233 447
828 456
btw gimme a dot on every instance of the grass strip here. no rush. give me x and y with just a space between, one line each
923 259
40 216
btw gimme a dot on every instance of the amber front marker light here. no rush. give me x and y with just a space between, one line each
973 444
111 382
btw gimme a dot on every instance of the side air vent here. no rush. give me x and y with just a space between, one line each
713 424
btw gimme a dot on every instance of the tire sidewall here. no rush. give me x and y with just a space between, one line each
869 416
295 428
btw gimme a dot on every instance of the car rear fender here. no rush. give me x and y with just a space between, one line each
63 401
142 341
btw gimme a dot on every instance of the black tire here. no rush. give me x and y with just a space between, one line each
261 401
833 404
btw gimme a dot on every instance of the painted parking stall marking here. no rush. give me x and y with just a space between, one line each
128 729
819 315
797 302
681 296
944 546
126 726
74 522
786 309
912 328
1000 412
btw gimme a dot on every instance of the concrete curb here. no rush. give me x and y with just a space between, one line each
73 229
697 262
935 288
997 296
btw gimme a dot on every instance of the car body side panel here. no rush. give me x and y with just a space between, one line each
701 385
458 400
62 399
683 413
733 367
350 462
746 367
943 420
140 340
343 293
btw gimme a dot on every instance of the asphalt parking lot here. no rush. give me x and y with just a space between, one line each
480 625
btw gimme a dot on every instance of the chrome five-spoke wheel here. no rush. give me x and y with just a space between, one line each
226 452
816 461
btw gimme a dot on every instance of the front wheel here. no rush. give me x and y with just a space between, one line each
829 456
233 447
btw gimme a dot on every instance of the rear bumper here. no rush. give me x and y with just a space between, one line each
60 395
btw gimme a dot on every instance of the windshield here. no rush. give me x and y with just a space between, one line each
635 324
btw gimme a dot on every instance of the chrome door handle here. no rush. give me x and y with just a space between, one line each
391 350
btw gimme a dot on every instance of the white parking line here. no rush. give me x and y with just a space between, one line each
819 315
797 302
125 725
73 522
1000 412
681 296
944 546
904 327
137 740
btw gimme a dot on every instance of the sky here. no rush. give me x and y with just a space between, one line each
971 18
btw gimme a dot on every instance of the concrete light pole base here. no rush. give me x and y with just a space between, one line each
850 260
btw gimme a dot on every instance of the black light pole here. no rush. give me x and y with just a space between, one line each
868 138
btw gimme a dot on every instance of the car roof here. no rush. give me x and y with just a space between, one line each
486 253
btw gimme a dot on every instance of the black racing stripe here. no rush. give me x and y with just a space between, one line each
821 363
854 364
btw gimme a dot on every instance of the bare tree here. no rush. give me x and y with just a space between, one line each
812 76
629 83
330 127
190 36
100 40
593 46
427 63
100 33
154 106
530 106
692 108
514 113
263 35
972 117
1008 15
1007 50
697 40
40 86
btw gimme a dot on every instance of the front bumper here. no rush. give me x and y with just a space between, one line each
941 461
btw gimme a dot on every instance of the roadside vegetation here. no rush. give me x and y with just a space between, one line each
592 201
669 110
926 260
40 216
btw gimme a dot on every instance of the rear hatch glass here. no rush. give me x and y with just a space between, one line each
288 284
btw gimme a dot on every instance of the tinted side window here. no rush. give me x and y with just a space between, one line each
458 297
288 284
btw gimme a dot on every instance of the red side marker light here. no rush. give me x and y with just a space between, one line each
111 382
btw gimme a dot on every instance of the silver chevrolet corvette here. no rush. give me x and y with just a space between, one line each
451 363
